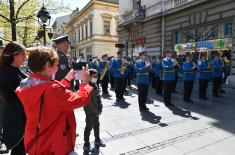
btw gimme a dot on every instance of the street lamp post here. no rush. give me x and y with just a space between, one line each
43 16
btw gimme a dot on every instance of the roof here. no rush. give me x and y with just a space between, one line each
110 1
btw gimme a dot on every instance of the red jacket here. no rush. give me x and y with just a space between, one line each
58 127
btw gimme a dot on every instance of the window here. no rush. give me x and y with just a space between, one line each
82 33
228 29
91 27
179 2
106 27
177 37
79 35
75 36
86 31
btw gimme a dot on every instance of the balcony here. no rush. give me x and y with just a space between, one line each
136 15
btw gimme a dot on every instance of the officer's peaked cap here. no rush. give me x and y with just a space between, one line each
61 39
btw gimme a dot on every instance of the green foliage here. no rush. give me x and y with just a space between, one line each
25 12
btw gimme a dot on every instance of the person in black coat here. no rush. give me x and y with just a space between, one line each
11 110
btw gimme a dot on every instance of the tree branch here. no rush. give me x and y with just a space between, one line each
5 39
18 11
25 18
7 19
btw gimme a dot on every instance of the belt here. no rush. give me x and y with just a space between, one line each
142 73
205 71
169 71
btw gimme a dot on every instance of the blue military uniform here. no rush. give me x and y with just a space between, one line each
142 81
217 75
129 69
120 79
169 79
158 71
169 69
204 76
105 80
188 77
112 79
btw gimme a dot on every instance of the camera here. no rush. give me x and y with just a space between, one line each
78 65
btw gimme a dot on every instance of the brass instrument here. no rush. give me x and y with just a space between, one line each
123 66
104 71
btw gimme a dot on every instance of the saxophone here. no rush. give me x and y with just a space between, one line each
123 67
106 67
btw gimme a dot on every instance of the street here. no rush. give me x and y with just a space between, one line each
202 127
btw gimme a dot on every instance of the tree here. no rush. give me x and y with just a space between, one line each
18 17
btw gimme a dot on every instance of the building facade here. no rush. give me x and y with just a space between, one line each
92 30
177 25
59 26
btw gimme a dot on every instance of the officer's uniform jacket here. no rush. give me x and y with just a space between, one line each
142 72
169 69
115 66
102 65
63 66
203 71
188 70
217 68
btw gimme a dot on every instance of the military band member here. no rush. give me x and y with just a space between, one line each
203 75
158 69
104 73
152 73
177 70
62 47
111 79
217 75
142 80
168 77
188 77
118 68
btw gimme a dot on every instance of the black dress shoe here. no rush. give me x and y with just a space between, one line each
217 96
189 101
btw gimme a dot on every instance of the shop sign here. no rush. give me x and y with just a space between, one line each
210 44
139 41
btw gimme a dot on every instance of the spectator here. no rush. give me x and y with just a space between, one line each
93 111
50 127
11 109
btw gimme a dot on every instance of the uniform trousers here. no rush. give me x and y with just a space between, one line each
203 84
188 88
168 89
142 95
158 85
120 87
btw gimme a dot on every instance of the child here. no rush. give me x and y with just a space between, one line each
92 111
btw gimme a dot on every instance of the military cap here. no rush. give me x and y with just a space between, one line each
119 52
188 54
105 55
203 54
61 39
167 51
143 53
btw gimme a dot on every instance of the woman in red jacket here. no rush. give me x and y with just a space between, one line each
57 127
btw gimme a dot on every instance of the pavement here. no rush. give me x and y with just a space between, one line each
203 127
199 128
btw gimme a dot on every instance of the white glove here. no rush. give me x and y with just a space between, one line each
70 75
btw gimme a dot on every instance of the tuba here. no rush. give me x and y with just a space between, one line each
106 67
